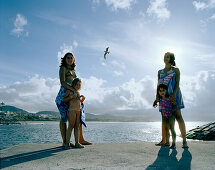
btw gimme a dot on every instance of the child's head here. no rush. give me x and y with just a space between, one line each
163 91
76 84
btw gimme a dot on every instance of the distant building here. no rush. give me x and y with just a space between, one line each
1 104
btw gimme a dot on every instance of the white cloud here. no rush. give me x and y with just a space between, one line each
118 64
199 5
158 8
133 96
208 4
212 17
103 64
120 4
199 96
75 44
65 49
115 67
203 25
49 16
34 95
96 2
118 73
19 24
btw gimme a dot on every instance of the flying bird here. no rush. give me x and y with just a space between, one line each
106 52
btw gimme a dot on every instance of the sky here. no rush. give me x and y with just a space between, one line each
34 35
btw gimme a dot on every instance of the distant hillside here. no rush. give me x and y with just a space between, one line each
112 118
52 115
13 109
48 113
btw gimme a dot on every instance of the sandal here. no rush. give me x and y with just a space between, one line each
160 144
85 143
78 146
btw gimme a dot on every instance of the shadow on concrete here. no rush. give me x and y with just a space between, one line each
165 160
29 156
185 161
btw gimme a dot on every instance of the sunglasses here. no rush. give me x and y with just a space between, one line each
69 57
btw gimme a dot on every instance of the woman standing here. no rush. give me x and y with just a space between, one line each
67 74
170 76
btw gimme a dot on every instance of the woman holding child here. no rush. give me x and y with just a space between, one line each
67 75
170 76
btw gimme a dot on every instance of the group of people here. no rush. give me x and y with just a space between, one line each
168 95
170 102
69 102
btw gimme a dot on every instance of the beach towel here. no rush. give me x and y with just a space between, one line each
83 115
62 106
168 79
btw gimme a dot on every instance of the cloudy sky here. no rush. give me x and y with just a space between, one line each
34 35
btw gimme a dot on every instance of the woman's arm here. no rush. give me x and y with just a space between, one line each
177 80
66 96
69 96
62 75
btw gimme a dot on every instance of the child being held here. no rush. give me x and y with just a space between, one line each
167 110
74 98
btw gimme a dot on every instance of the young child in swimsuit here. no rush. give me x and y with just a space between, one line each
167 112
74 98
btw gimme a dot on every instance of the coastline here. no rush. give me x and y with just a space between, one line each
143 155
54 121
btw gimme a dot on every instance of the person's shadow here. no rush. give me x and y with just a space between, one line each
29 156
185 161
168 161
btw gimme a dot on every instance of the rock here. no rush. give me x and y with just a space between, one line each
205 132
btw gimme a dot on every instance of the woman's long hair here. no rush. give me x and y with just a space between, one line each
63 61
172 58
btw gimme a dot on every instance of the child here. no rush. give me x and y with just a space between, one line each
74 99
166 109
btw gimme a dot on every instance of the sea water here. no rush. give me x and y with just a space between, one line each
96 132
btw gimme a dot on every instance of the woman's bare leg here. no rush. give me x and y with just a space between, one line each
81 138
63 130
182 127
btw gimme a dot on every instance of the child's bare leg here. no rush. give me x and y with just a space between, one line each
71 118
76 131
163 141
166 129
63 130
172 128
76 128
